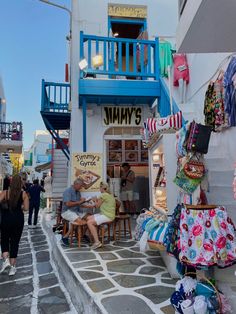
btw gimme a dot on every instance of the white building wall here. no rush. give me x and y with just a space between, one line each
42 140
159 14
203 68
92 18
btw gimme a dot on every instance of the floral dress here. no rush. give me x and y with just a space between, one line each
207 237
214 106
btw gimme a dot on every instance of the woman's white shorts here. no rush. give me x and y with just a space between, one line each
100 219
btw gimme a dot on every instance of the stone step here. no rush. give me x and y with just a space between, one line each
218 164
221 178
221 194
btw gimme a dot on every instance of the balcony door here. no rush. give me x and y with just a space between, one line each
126 28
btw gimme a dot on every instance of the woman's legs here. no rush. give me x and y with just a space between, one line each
5 247
92 225
15 237
5 241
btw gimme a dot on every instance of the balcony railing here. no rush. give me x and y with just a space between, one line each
55 97
121 56
11 131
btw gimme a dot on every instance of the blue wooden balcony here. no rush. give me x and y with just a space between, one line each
129 73
55 112
55 104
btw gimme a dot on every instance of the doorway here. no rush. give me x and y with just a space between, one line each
126 28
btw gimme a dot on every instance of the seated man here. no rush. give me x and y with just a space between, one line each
71 207
107 204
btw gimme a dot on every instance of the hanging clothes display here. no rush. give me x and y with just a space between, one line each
206 237
181 69
234 182
166 59
214 110
230 92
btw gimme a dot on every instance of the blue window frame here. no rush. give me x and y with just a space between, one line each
142 22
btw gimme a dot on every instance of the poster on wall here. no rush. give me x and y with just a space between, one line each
88 168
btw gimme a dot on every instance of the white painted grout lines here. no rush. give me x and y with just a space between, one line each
34 304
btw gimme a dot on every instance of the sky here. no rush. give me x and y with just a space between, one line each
33 47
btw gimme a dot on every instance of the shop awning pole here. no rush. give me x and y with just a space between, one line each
170 90
84 105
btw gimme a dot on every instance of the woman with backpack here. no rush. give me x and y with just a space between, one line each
12 223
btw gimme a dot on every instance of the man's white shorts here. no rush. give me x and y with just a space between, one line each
127 196
71 216
101 219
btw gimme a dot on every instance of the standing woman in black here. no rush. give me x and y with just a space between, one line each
12 223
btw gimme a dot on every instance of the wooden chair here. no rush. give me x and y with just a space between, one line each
105 228
121 219
77 231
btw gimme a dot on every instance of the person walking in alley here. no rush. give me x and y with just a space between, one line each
107 204
127 188
71 207
34 195
12 223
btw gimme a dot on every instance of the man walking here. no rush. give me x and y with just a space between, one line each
34 195
71 207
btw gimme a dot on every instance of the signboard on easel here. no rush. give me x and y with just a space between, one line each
88 168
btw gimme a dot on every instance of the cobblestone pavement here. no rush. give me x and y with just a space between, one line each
122 279
36 287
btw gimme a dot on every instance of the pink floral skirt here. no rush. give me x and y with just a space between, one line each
207 237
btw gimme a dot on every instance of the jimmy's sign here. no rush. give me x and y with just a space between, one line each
122 116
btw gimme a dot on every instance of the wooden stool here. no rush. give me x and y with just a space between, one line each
77 230
65 224
106 226
118 220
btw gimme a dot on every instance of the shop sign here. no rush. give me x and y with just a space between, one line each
127 10
88 168
122 116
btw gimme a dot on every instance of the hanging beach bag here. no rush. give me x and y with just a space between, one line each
185 183
194 169
156 237
198 138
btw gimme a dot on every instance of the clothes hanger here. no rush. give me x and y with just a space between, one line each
220 75
201 206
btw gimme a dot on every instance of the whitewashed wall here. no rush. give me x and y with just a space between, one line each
92 18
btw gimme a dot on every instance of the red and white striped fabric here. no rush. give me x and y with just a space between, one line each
156 125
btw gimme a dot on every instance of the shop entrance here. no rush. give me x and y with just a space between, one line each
124 145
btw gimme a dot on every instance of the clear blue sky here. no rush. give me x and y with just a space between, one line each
33 47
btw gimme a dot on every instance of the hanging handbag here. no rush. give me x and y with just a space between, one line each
198 138
194 169
185 183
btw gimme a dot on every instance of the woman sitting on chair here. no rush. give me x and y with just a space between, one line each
107 204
